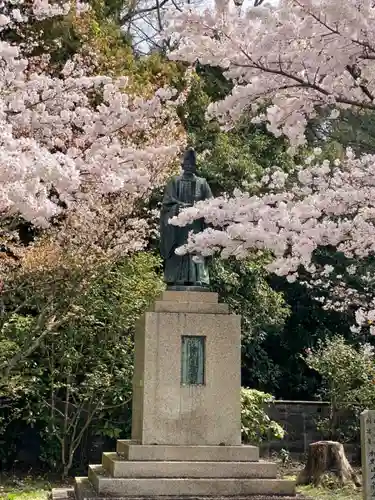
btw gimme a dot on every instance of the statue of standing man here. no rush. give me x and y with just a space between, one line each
182 271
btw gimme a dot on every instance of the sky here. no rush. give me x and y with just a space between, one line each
147 27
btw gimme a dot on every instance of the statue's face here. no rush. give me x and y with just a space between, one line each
188 167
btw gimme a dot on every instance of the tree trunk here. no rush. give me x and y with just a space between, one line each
327 456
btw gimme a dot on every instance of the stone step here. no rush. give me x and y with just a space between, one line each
184 296
120 467
62 494
104 484
133 451
189 307
84 491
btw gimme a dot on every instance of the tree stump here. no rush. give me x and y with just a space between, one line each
327 456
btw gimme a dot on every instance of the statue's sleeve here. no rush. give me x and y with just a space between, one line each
169 209
207 190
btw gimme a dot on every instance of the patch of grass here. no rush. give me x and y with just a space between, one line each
26 495
329 489
347 493
27 487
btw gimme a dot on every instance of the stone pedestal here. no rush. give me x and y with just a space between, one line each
186 424
165 409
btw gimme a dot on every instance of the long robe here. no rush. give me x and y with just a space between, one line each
181 269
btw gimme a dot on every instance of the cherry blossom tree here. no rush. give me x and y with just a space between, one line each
287 62
294 57
71 138
78 153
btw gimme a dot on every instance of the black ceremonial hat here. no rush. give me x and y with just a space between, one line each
190 157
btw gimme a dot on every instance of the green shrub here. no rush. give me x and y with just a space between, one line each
256 426
78 379
348 376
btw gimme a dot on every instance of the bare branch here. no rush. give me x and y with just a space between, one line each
130 15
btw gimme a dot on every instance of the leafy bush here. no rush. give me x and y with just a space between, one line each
243 286
79 376
348 383
256 426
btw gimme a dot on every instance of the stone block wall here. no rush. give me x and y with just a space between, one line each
299 420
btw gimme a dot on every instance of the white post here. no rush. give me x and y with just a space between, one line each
368 453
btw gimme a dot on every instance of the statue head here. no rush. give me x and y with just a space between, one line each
189 164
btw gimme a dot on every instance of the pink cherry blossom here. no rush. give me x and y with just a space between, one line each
52 138
294 57
289 60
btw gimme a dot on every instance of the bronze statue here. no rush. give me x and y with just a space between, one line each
183 271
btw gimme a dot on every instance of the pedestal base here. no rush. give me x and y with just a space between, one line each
187 288
131 450
137 470
169 407
186 431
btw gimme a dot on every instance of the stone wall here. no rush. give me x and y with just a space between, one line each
299 420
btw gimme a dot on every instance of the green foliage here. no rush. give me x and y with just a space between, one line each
348 374
12 336
256 425
78 380
353 128
348 381
27 495
356 130
306 324
66 325
229 160
243 286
